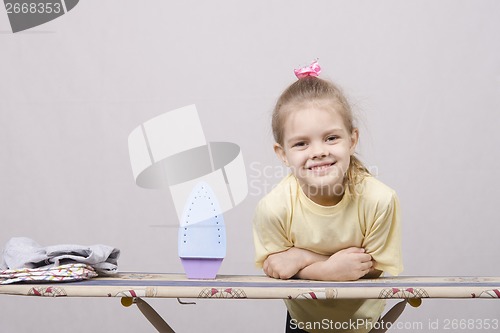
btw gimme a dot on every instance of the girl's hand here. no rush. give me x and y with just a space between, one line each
347 265
282 265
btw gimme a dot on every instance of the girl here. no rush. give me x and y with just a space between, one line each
329 219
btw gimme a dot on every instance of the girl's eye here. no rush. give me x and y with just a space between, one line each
332 138
299 144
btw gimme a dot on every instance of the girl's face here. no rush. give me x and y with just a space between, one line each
317 147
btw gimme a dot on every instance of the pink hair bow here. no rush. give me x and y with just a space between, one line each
312 70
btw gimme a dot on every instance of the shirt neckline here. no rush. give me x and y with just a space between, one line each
320 209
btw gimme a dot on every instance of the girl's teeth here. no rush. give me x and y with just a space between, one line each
320 167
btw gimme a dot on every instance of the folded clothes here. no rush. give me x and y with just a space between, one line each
23 252
63 273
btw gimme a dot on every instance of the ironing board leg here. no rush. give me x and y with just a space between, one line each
147 310
390 317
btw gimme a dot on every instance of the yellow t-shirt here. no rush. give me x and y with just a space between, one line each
286 217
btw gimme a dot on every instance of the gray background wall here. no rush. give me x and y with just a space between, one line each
424 77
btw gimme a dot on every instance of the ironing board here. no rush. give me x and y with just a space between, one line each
134 287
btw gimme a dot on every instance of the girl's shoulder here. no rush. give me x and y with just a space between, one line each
374 191
280 195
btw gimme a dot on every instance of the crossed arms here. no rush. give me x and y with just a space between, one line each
345 265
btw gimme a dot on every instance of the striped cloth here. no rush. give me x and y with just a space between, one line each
63 273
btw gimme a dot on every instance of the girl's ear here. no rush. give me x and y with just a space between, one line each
280 152
354 140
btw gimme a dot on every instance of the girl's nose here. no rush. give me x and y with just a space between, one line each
318 151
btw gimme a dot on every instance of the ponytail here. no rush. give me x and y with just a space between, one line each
355 174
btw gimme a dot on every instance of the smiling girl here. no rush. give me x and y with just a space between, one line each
329 219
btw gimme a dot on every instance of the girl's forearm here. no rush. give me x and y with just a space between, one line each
345 265
308 257
314 271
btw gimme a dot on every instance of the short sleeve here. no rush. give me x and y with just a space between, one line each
269 233
383 237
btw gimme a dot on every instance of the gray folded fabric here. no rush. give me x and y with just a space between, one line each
23 252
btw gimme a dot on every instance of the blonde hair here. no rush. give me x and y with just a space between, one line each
311 89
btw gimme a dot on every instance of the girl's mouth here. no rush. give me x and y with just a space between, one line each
320 167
